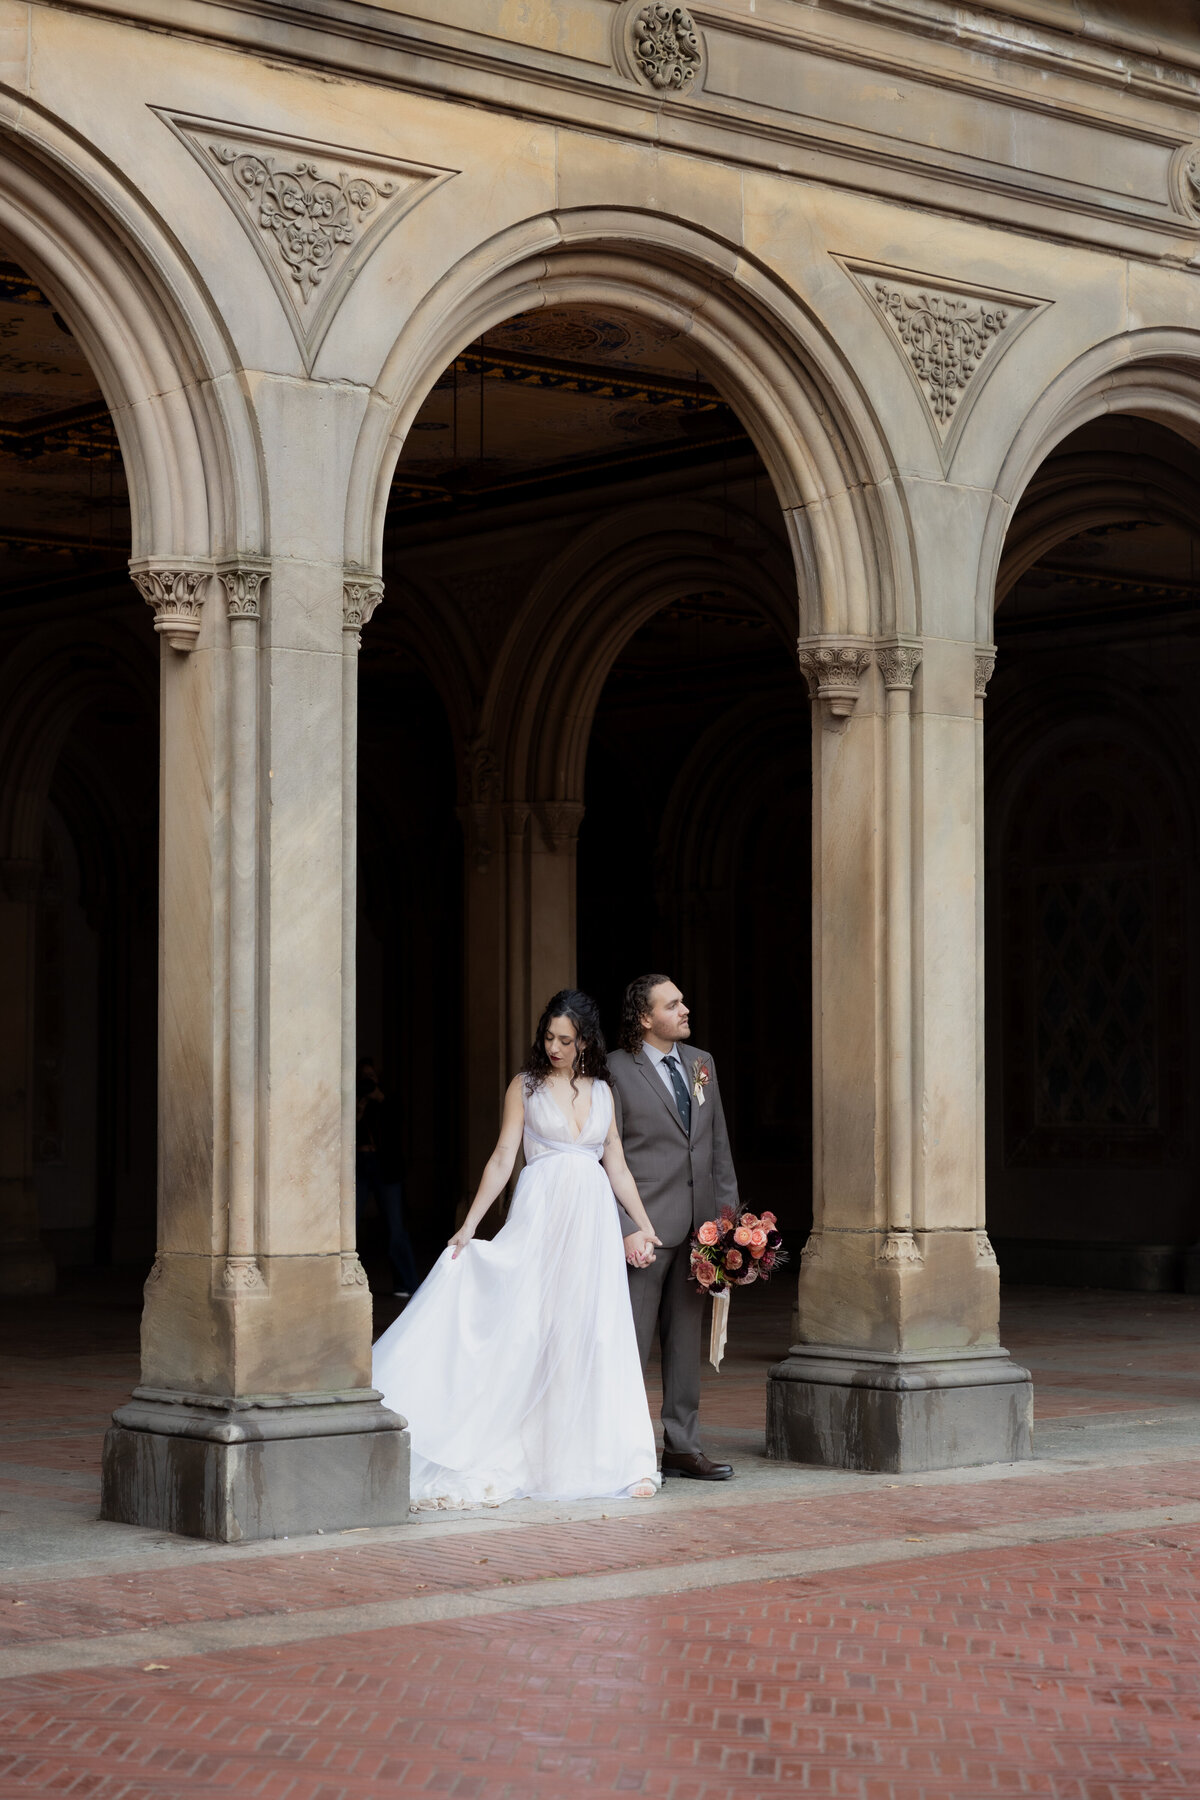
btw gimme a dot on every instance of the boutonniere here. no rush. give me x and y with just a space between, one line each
700 1079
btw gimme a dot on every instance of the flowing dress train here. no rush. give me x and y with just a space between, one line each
516 1363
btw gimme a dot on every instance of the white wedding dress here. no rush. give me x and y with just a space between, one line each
516 1363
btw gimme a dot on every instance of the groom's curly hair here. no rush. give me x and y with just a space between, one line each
592 1059
634 1008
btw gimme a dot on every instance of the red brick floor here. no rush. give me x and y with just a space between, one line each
1066 1668
1072 1672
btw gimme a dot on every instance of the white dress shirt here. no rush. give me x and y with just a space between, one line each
660 1059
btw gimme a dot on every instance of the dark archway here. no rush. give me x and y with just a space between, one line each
1093 756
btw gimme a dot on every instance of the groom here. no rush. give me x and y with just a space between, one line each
672 1126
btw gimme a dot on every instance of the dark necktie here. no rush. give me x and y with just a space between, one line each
683 1099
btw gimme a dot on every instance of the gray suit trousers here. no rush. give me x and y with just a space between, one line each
662 1295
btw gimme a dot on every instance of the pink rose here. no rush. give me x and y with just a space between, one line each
734 1259
749 1220
742 1235
756 1251
705 1274
768 1219
708 1233
758 1238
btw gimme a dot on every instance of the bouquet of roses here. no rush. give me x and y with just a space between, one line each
733 1251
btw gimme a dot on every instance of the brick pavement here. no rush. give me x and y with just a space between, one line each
926 1671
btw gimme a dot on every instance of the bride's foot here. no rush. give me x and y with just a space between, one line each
642 1490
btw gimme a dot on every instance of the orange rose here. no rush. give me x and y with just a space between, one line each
758 1238
708 1233
742 1235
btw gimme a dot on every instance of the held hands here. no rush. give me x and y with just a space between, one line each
460 1240
639 1248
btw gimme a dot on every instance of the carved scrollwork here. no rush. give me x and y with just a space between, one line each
353 1273
985 664
833 669
813 1251
311 218
946 337
177 597
898 664
900 1247
242 1275
559 821
983 1248
665 47
243 586
361 594
482 772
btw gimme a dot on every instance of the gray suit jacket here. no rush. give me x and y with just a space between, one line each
683 1178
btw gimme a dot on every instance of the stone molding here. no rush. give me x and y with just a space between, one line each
313 211
898 664
660 46
985 664
176 594
833 669
361 595
353 1273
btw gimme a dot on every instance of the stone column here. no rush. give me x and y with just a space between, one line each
26 1266
898 1364
255 1416
553 851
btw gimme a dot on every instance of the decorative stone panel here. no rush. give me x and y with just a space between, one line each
660 46
313 211
950 336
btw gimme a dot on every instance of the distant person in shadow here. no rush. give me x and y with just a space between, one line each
379 1171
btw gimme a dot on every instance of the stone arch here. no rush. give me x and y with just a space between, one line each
153 338
1084 491
617 574
1152 374
772 362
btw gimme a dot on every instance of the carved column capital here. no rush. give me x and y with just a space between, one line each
985 663
243 584
361 594
559 821
176 593
833 669
898 663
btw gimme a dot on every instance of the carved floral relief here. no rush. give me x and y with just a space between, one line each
313 212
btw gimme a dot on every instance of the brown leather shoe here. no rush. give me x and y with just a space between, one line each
695 1465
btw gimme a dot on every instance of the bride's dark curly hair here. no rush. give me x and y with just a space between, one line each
591 1058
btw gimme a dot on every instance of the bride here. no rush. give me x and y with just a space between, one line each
515 1363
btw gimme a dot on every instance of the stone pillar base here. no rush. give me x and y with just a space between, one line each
235 1469
896 1413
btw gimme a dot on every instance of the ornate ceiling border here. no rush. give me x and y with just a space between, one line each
314 212
951 336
